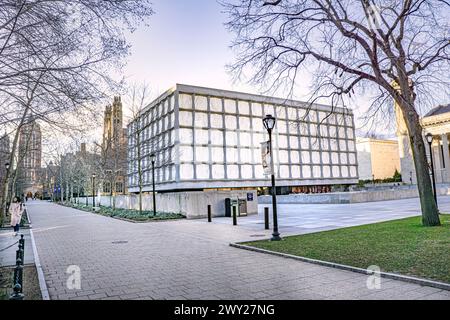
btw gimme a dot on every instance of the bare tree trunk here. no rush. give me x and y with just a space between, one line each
430 213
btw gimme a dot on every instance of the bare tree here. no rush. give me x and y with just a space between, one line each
394 50
142 140
56 57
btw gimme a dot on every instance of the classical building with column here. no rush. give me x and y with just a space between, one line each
436 122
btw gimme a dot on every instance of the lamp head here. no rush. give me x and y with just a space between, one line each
7 165
269 122
152 157
429 137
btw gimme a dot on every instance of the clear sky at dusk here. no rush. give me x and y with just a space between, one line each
186 42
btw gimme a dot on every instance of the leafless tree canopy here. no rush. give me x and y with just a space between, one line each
347 45
59 53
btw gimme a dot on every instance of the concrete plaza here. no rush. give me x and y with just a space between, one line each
308 218
184 260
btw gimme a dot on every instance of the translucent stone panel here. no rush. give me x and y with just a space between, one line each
306 172
306 158
284 172
282 141
344 171
201 120
232 155
186 136
244 123
185 118
283 156
247 171
326 172
186 171
216 121
202 171
353 172
350 134
216 104
294 142
292 113
343 158
295 170
257 125
245 139
244 107
218 171
316 172
185 101
257 110
281 126
230 106
325 157
315 157
295 158
351 145
201 154
246 155
313 130
333 131
201 103
352 158
334 157
232 171
217 154
231 138
186 153
259 172
304 143
201 136
270 109
216 137
230 122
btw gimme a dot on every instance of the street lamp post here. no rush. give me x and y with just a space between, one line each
269 124
152 158
93 190
429 138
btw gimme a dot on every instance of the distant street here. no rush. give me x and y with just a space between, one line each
184 260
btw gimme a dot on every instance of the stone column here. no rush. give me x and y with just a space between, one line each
446 176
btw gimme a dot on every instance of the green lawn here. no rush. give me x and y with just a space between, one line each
400 246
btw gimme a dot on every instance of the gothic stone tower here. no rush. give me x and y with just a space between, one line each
114 145
30 151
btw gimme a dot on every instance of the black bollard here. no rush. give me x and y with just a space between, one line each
234 216
17 295
209 213
266 218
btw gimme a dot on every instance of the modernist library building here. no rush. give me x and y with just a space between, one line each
202 138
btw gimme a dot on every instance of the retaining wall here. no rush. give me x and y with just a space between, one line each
193 205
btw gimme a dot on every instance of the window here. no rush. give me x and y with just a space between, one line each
107 187
119 187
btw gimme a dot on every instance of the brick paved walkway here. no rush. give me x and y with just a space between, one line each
184 260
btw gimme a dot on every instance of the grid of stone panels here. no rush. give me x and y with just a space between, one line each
157 126
220 140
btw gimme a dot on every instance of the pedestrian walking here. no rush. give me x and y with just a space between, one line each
16 211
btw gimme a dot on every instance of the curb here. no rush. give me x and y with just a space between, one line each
394 276
40 272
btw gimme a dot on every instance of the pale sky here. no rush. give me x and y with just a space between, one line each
187 42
